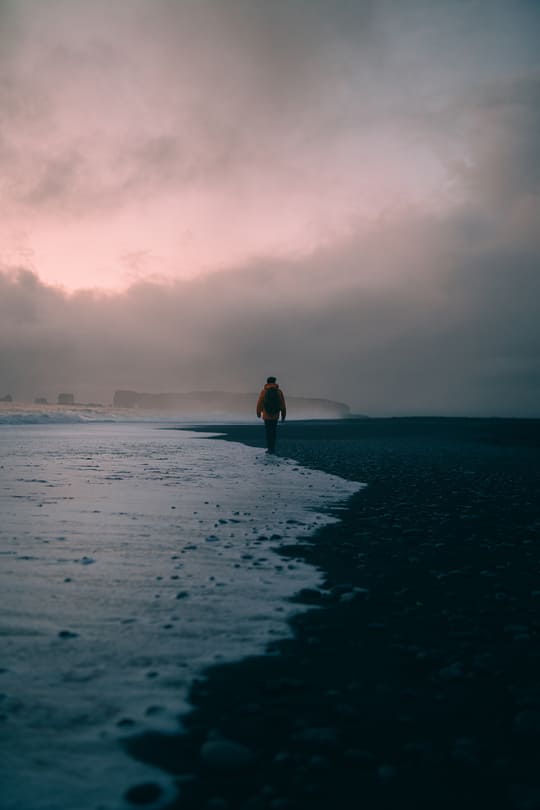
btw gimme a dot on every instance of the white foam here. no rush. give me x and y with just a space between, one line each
153 548
63 415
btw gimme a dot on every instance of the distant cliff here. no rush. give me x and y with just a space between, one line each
226 404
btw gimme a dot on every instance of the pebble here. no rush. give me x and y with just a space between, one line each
386 773
321 735
361 756
452 671
420 749
280 804
153 710
226 755
338 590
316 761
516 629
247 709
309 596
353 596
527 724
280 685
145 793
525 797
217 803
125 722
254 803
464 749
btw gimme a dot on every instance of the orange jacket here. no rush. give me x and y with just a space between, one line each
260 403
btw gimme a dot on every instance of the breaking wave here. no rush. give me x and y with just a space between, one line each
44 417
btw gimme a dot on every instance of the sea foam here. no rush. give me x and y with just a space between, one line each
133 558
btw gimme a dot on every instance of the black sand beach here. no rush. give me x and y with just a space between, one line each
415 681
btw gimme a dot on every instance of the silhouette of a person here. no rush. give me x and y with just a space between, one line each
270 405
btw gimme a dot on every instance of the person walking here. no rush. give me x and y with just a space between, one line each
270 405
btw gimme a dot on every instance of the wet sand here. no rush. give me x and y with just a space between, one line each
133 557
415 680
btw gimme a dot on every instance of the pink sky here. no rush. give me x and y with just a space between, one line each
169 144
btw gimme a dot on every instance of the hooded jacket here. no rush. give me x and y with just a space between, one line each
260 403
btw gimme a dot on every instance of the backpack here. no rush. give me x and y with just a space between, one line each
272 401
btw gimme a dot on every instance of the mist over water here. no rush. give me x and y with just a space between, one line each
458 340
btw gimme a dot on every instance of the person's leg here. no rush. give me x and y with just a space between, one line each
267 433
274 431
271 429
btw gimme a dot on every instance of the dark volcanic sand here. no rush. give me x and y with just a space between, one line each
421 691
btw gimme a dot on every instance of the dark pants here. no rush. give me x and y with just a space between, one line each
270 426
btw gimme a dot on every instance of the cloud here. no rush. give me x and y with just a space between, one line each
391 323
205 132
361 176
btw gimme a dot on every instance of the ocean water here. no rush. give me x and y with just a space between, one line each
131 558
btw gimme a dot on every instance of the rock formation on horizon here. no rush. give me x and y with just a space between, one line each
226 404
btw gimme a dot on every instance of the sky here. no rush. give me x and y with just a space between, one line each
196 194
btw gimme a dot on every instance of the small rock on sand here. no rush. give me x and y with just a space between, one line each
527 724
452 671
67 634
145 793
320 735
226 755
386 773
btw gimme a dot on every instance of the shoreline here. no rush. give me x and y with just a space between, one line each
414 681
133 559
